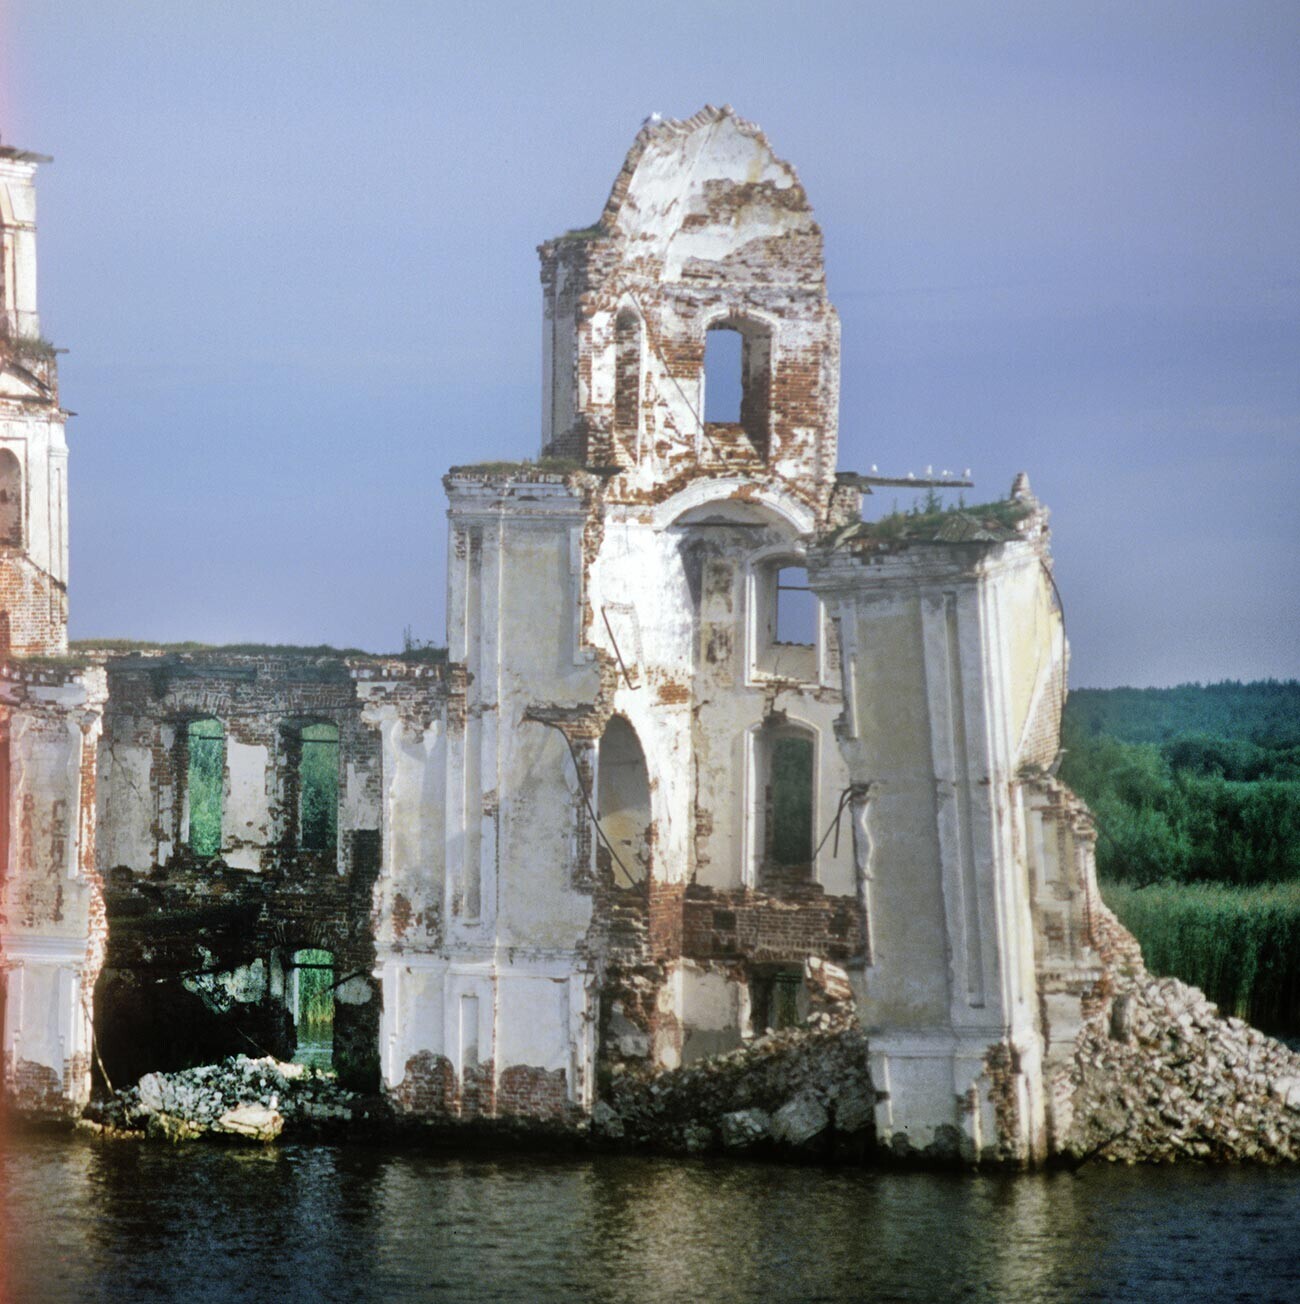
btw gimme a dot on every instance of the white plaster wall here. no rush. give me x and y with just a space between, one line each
533 1024
416 763
47 1017
938 638
715 1011
49 949
127 805
412 1013
245 814
514 598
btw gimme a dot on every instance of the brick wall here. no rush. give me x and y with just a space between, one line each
33 609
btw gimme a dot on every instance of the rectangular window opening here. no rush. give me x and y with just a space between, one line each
777 1000
206 747
723 376
797 608
313 1007
792 800
318 776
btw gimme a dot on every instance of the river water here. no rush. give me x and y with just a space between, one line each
84 1220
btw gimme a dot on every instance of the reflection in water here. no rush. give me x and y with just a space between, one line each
132 1221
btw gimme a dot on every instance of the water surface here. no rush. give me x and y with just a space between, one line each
126 1221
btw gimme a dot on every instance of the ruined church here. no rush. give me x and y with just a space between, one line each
700 736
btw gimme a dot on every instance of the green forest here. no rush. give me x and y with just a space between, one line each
1196 794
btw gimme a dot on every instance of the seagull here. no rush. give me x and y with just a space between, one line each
875 470
965 475
929 470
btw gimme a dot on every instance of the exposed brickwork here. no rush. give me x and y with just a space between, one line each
429 1089
36 1089
35 609
428 1086
755 926
1043 738
533 1092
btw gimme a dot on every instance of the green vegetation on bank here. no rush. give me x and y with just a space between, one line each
1196 794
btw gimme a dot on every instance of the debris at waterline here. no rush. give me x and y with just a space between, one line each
243 1097
1157 1075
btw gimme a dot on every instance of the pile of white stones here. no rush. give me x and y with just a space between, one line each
1160 1075
245 1097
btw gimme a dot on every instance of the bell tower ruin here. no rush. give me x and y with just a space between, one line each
51 906
33 451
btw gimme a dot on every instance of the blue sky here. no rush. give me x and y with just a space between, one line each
291 249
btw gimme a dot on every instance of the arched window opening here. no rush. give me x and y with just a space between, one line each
623 803
737 383
206 764
787 791
318 787
11 500
627 377
311 998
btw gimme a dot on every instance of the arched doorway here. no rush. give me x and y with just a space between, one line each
623 802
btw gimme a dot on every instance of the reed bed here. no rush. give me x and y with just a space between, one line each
1239 945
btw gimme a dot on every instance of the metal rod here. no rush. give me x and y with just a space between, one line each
627 679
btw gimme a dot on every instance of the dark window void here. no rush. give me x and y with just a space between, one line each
206 751
790 799
312 999
797 607
11 500
627 377
738 382
777 999
623 802
318 787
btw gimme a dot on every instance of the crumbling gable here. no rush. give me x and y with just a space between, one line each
705 231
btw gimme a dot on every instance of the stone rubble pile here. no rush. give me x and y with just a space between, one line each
252 1098
797 1091
1159 1075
